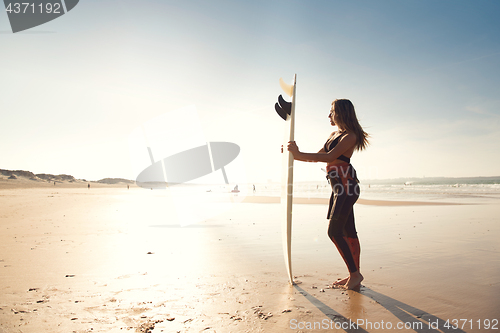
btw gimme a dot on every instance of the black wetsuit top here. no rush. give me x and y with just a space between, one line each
332 145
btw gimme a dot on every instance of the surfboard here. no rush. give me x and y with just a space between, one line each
286 111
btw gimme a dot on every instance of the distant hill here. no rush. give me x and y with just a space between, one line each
14 174
115 181
59 178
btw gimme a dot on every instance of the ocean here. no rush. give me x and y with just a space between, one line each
471 189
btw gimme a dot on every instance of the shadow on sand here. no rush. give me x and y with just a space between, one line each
416 319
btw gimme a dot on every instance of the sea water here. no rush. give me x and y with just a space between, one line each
473 190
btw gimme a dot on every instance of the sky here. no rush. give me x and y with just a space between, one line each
424 77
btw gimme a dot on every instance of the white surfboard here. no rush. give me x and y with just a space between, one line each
287 112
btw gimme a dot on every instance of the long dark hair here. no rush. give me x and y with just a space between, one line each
346 118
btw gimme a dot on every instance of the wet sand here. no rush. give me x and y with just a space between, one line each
110 259
361 201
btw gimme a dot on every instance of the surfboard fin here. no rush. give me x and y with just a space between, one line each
283 108
287 88
280 111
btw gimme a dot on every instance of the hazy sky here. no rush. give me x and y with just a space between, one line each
424 77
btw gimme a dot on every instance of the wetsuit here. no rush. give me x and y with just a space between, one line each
345 192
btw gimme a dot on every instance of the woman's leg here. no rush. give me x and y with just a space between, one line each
342 245
342 232
353 243
339 217
352 238
355 278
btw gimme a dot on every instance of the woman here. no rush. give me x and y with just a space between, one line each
336 153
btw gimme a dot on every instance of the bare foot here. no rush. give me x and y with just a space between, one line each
340 282
354 280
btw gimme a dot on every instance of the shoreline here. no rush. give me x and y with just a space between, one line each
24 184
361 201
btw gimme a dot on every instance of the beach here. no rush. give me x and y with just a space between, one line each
112 259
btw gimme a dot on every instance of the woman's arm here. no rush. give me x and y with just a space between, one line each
346 143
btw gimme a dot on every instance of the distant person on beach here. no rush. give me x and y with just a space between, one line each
88 186
337 152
